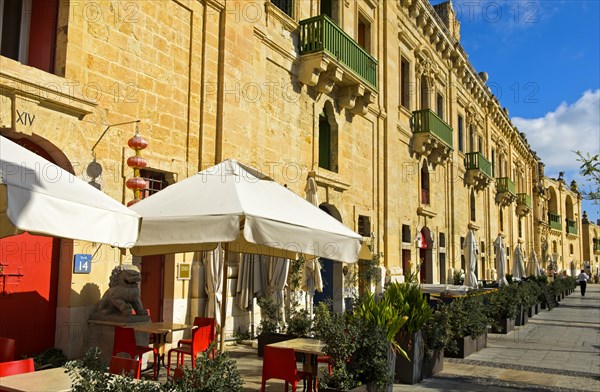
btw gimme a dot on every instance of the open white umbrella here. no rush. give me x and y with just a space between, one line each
518 270
471 250
39 197
500 261
247 212
534 266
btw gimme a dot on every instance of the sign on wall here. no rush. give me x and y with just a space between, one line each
184 271
82 263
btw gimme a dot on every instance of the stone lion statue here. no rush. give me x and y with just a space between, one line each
123 294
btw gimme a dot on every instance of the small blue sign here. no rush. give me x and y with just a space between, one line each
82 263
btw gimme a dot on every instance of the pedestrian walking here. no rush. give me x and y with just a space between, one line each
582 278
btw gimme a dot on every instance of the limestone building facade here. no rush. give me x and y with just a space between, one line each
376 99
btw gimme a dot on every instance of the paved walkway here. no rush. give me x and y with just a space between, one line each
558 350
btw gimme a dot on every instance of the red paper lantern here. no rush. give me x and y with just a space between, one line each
135 183
137 142
137 162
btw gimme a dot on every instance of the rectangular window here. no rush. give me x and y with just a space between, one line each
440 106
442 240
364 225
364 34
461 146
493 163
406 234
471 138
405 85
480 145
520 228
155 182
28 32
324 142
284 5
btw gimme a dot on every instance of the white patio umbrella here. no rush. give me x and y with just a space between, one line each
39 197
471 250
534 266
247 212
312 280
278 272
501 261
518 270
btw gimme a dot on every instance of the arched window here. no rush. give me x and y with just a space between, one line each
425 184
571 249
328 139
472 205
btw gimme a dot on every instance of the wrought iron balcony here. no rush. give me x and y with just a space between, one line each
432 136
506 189
571 227
554 221
479 170
331 57
523 204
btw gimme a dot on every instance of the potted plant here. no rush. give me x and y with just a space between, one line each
268 328
408 300
468 325
502 308
436 337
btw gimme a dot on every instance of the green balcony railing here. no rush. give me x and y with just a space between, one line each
596 245
505 184
554 221
476 161
571 226
524 199
320 33
427 121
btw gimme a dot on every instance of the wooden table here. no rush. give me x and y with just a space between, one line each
159 330
312 348
41 381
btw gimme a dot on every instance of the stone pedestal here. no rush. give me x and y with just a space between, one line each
101 335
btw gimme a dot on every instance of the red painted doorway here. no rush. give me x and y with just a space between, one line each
28 288
152 285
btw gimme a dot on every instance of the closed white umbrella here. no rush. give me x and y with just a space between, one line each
39 197
250 283
518 270
534 266
214 268
278 273
471 250
501 261
312 280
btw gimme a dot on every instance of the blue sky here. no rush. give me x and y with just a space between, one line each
543 61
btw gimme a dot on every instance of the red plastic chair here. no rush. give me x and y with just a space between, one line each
280 363
16 367
130 367
202 337
125 343
7 350
325 359
199 322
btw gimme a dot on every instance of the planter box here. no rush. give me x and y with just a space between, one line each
360 388
481 342
409 372
537 308
503 326
433 363
272 338
543 305
466 346
531 311
520 321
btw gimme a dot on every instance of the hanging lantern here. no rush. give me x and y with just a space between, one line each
136 162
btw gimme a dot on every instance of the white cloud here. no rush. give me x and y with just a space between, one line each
571 127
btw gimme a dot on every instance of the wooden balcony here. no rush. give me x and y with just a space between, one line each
329 57
479 170
432 137
523 204
571 227
554 221
505 191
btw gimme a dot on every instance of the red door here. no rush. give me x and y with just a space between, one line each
152 290
28 287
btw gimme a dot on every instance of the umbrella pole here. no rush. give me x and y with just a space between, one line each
224 301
